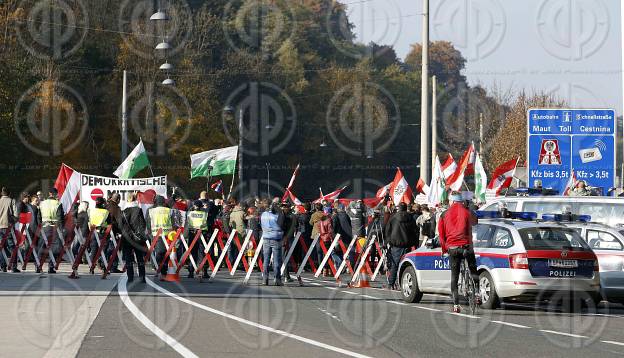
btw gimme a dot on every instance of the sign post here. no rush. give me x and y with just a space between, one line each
564 140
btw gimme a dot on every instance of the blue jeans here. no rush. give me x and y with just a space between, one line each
394 258
272 247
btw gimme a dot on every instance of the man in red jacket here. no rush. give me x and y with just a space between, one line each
455 231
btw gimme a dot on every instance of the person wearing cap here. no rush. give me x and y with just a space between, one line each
133 243
52 217
289 227
159 218
401 233
99 219
455 232
196 221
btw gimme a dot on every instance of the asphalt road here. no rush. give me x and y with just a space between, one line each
50 315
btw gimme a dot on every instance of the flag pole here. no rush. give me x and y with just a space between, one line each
232 183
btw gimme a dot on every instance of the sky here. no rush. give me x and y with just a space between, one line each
571 48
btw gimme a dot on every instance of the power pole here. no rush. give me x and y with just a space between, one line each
434 119
424 102
124 118
480 133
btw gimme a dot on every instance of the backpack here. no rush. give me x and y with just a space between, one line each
325 229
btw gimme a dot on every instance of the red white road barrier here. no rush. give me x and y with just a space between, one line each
327 252
307 257
382 259
290 252
187 254
207 247
169 249
345 258
101 243
241 251
223 253
253 261
363 258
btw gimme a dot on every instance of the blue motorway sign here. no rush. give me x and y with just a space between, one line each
564 140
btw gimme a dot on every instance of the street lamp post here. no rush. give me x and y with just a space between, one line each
230 111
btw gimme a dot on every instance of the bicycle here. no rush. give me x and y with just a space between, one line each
466 284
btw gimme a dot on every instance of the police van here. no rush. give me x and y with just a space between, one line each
608 244
519 258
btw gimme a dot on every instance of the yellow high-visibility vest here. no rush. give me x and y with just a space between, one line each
48 208
160 218
97 217
197 220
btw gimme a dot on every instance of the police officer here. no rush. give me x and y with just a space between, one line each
99 219
197 220
159 217
52 216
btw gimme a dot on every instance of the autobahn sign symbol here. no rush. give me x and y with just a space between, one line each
562 140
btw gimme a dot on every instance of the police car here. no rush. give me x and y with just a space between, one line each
519 258
608 244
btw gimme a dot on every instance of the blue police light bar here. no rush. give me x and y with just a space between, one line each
488 214
523 215
560 217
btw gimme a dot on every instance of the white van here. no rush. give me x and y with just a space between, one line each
603 209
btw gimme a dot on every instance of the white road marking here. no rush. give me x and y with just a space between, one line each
563 333
371 297
613 342
258 325
123 294
330 315
398 303
511 324
349 292
463 315
427 308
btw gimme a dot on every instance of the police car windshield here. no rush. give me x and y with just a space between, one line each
552 238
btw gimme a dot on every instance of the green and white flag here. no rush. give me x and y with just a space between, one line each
480 179
135 162
214 162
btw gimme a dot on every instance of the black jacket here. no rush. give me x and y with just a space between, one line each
342 225
82 223
303 225
401 230
134 221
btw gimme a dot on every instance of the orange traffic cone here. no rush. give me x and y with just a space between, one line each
362 279
172 274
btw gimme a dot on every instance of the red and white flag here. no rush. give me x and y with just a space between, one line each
455 181
571 184
381 193
293 198
400 191
68 186
290 183
503 176
449 166
331 196
422 187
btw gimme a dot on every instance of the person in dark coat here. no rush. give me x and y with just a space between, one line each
290 228
114 212
133 238
401 234
341 224
81 219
